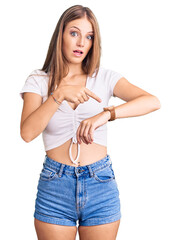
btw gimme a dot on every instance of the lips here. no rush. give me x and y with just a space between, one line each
78 51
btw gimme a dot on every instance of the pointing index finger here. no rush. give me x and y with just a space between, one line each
93 95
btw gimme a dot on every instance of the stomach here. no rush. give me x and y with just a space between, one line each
89 153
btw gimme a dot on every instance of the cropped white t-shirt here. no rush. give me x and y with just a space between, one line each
65 121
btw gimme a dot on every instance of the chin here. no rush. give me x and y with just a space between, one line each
77 61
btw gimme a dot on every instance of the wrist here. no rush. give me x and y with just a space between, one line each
107 114
58 95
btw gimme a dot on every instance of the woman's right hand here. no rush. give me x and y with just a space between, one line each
76 94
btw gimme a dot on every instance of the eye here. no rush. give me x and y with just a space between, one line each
73 32
91 37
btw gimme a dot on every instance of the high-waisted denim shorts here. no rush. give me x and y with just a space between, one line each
88 194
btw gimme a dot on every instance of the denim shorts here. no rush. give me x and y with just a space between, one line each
86 194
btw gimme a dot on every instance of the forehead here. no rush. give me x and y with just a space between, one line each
82 24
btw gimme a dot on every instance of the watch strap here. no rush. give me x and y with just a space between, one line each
112 111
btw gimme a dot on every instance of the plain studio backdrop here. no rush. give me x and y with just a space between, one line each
140 39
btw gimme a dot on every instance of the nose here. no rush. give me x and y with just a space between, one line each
81 42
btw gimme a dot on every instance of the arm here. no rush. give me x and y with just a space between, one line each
137 107
36 115
138 101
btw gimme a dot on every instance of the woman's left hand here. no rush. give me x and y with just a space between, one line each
86 128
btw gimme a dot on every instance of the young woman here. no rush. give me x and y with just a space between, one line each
67 101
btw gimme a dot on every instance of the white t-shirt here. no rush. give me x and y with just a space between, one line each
65 121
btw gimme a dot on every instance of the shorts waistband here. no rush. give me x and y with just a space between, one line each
57 166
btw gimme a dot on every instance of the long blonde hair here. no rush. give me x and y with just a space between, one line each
55 64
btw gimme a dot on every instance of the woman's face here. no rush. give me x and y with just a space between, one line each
78 35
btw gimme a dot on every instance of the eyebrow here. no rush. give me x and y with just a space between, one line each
80 30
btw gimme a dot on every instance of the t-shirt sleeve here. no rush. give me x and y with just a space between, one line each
32 84
112 79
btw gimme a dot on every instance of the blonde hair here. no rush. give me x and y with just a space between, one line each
55 64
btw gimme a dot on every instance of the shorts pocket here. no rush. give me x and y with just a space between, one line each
48 174
104 175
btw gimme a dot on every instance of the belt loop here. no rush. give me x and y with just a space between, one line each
90 171
109 158
61 170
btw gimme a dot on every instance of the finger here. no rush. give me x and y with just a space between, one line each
93 95
86 98
83 98
80 99
86 134
81 133
84 139
89 138
76 101
91 131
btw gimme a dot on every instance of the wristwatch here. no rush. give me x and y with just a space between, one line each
112 111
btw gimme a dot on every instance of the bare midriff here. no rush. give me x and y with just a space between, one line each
89 153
